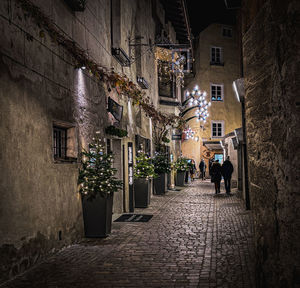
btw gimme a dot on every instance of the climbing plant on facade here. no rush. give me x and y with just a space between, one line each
81 59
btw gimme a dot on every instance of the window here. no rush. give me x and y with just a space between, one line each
59 142
216 92
219 157
166 84
217 129
65 146
227 32
216 56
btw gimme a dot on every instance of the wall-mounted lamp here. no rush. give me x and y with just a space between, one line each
239 89
121 56
142 82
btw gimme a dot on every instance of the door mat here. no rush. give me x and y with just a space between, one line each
134 218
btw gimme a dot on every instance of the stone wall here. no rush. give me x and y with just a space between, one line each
271 61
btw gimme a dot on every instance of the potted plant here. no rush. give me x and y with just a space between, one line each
97 186
161 167
181 166
143 171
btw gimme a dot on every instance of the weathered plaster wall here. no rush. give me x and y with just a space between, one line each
40 208
271 58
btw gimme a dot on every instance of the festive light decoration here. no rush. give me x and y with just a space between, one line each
144 167
189 133
96 175
196 100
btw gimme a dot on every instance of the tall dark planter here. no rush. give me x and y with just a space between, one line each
186 178
180 178
97 216
141 192
160 184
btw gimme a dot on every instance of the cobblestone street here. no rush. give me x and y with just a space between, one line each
195 239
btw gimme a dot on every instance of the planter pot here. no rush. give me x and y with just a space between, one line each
160 184
180 178
97 216
186 178
141 192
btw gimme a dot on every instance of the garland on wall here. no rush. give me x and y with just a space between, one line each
121 83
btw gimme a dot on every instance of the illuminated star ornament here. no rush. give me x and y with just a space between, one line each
196 100
189 134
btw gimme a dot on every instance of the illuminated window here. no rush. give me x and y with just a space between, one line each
216 92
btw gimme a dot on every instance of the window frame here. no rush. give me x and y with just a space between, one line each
222 128
70 154
225 28
222 92
214 62
59 148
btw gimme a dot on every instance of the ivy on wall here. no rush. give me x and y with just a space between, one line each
121 83
112 130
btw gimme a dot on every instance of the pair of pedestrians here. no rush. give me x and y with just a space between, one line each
217 171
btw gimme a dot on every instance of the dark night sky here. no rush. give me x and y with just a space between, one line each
204 12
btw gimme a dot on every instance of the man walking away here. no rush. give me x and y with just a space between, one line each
211 161
227 170
216 175
202 168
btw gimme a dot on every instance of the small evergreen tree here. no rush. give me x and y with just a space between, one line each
144 167
96 175
181 164
161 163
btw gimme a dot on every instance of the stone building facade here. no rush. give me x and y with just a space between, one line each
216 67
270 41
45 97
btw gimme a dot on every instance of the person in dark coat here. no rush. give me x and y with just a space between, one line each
216 175
202 168
227 170
211 161
192 169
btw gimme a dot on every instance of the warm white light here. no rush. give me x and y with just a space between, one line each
83 67
209 103
204 93
196 87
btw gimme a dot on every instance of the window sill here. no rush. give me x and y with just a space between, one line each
68 160
216 64
215 100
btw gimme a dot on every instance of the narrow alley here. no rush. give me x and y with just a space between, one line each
195 239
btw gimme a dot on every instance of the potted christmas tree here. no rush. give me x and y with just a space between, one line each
161 167
181 166
143 171
97 186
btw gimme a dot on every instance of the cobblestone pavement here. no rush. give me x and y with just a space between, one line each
195 239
